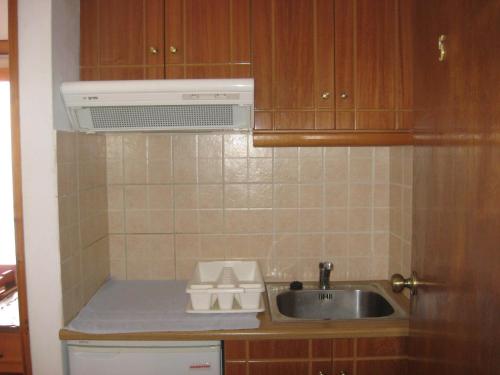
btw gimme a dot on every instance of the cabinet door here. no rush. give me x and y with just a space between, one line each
322 368
278 368
122 39
10 353
209 39
293 63
343 368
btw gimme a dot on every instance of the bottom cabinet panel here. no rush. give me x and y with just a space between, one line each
235 369
382 367
343 368
279 368
322 368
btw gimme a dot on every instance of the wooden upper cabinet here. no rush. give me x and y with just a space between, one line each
155 39
293 63
335 65
294 54
208 39
122 39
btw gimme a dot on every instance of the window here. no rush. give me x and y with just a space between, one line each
7 239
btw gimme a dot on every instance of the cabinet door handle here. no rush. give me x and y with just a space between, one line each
343 95
173 50
325 95
153 50
442 48
342 372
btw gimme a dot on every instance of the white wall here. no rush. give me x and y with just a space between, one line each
65 53
40 23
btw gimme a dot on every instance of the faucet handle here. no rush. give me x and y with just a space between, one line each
328 266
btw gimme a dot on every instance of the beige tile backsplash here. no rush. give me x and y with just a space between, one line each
148 206
401 180
186 198
83 219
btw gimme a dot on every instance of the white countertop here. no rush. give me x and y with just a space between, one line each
150 306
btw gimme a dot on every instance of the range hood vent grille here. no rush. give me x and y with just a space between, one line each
163 117
188 105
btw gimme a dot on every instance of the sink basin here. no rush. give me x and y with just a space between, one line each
342 302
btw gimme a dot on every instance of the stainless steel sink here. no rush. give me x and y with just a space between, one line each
342 302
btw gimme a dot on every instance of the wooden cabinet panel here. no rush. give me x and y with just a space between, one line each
294 57
118 73
340 356
265 349
324 96
404 70
10 352
381 346
208 71
262 47
375 120
240 31
89 42
122 39
297 120
235 349
207 28
174 31
235 369
321 348
344 52
154 32
382 367
279 368
344 368
375 54
321 368
121 32
343 348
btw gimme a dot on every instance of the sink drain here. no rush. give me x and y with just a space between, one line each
325 296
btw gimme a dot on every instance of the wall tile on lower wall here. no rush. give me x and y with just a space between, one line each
83 217
221 198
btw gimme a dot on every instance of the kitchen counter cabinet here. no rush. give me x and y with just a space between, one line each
360 356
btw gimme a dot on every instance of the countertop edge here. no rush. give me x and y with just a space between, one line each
281 331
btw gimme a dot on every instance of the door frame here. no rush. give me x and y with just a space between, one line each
13 75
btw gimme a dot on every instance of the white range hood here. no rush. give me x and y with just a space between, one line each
160 105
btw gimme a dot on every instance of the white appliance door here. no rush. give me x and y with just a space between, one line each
133 360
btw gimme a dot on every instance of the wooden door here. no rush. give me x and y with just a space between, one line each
17 190
122 39
454 316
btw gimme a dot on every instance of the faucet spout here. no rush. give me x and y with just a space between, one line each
325 268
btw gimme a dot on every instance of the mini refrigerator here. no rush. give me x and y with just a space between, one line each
144 357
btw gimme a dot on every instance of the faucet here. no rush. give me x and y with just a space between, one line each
325 268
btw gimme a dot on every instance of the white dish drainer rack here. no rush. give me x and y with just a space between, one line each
226 287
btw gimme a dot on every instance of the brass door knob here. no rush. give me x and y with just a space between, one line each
325 95
398 283
153 50
342 372
343 95
173 50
